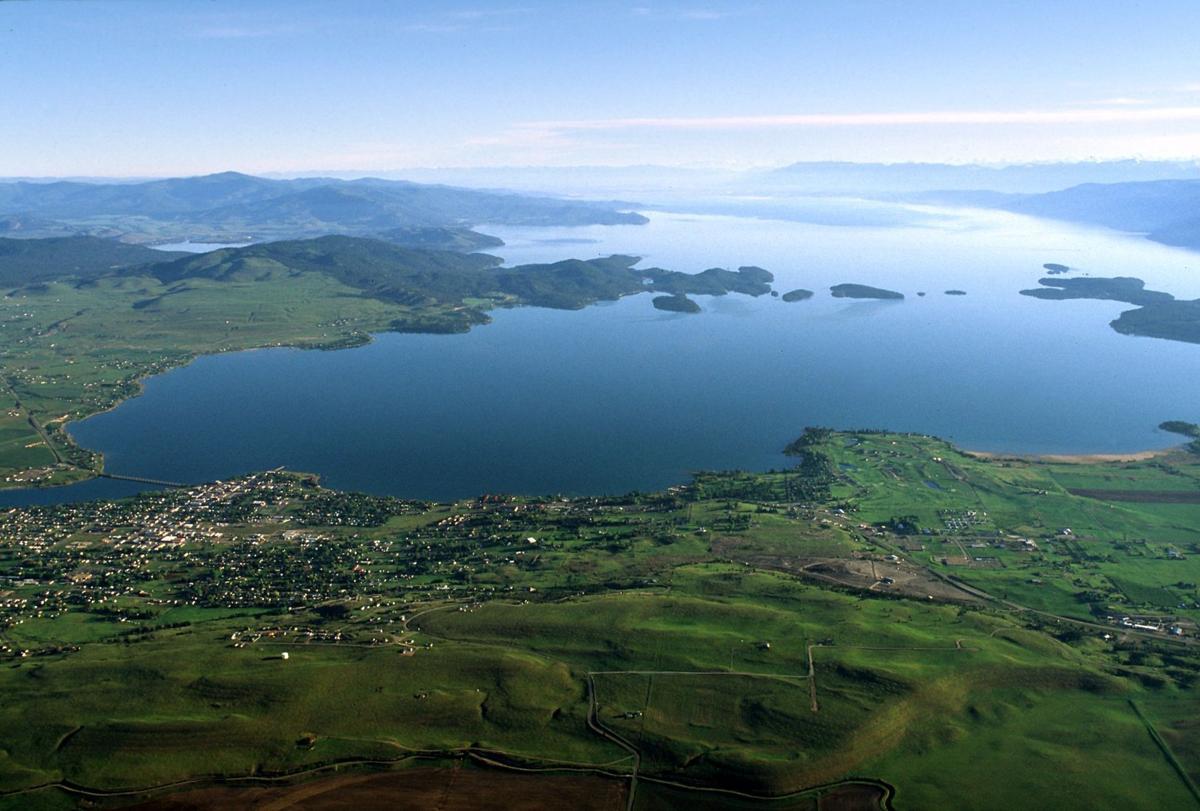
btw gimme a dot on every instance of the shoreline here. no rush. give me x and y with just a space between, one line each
349 341
986 456
1075 458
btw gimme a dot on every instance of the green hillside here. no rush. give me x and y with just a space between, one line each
25 261
449 238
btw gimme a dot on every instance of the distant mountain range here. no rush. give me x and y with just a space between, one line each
237 207
1159 198
1166 211
1030 178
663 184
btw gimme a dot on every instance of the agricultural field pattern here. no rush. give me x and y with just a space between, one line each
875 626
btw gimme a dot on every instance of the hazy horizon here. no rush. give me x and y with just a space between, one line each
179 89
393 173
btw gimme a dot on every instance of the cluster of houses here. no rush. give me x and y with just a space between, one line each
1152 624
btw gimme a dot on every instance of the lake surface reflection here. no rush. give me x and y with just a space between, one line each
620 396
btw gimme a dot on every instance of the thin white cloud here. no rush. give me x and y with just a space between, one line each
247 31
485 13
432 28
1115 101
693 14
519 137
466 20
1106 115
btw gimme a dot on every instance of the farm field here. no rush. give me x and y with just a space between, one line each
742 637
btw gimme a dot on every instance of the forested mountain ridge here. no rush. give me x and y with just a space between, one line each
235 207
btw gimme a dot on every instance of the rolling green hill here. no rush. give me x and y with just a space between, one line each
380 269
415 276
892 617
446 238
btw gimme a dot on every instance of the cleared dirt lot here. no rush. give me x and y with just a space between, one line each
852 572
418 789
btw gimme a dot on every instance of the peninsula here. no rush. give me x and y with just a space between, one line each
1120 288
1159 315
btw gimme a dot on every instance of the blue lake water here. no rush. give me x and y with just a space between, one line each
198 247
620 396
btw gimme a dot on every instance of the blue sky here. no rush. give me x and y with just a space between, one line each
154 88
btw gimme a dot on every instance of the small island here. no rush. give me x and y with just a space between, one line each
676 304
1056 268
799 294
863 291
956 292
